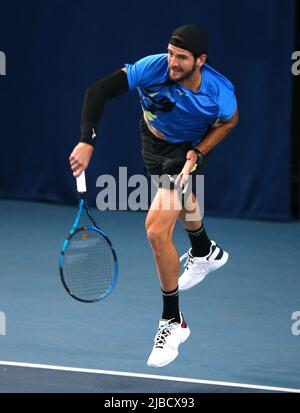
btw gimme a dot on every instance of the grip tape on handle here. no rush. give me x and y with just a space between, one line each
81 183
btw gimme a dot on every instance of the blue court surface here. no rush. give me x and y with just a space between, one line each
243 317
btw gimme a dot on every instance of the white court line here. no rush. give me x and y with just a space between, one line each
148 376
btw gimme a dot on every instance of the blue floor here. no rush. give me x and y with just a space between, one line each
240 316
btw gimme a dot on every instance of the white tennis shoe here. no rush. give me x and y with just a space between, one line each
197 268
169 336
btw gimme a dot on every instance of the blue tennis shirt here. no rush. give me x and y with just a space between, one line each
179 113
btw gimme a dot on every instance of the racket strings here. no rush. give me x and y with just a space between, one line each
89 265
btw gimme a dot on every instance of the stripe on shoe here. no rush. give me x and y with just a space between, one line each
216 253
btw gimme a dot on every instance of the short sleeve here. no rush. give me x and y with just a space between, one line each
149 70
227 102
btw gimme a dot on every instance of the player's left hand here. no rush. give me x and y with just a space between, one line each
183 176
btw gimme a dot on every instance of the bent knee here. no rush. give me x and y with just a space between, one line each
157 237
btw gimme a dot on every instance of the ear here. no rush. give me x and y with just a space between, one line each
201 60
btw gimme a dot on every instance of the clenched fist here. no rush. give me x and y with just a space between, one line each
80 157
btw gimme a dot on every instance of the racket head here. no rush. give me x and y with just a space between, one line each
88 265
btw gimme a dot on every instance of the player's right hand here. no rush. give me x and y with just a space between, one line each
189 166
80 157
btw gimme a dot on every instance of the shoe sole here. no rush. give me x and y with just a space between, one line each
186 336
218 264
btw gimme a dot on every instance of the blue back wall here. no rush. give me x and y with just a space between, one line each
55 49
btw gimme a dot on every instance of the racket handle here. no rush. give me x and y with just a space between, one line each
81 184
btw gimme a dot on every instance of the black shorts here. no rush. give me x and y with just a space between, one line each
163 159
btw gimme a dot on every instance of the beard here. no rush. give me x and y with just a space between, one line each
185 75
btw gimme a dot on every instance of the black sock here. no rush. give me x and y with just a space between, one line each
200 242
171 305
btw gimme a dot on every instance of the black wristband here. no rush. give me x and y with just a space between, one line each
199 154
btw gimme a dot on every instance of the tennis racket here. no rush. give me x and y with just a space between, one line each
88 263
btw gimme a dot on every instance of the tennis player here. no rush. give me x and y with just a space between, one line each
188 108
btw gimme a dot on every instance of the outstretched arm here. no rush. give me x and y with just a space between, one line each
93 105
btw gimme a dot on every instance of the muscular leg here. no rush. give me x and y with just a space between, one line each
190 218
172 329
190 206
160 224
